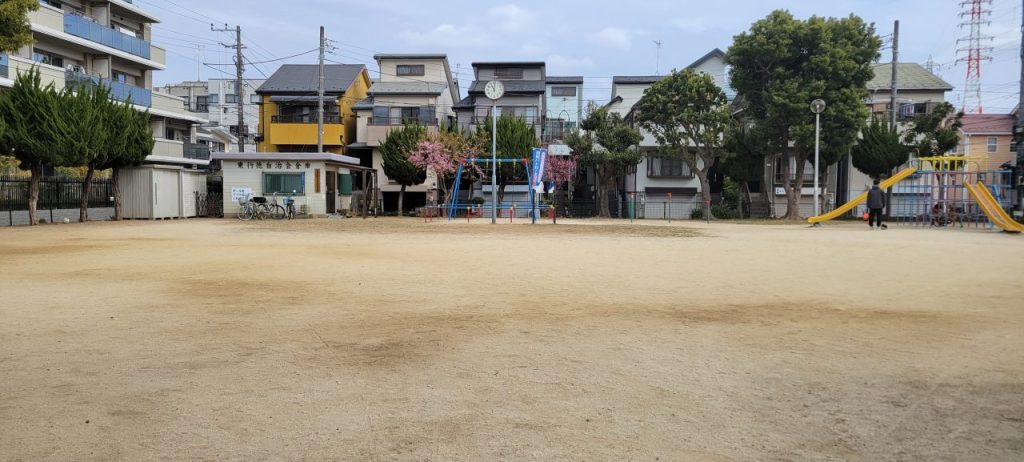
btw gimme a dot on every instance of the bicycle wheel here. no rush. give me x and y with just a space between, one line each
262 211
245 212
277 212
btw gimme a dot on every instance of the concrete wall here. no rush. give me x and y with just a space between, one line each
565 107
434 70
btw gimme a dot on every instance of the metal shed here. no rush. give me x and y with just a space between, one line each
162 190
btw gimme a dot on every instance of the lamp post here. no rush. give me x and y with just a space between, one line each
817 107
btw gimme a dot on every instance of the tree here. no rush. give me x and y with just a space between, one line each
86 121
782 64
608 145
688 115
935 133
395 151
745 164
559 170
15 29
30 112
442 153
132 143
879 151
516 140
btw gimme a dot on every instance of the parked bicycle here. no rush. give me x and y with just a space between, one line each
258 208
275 210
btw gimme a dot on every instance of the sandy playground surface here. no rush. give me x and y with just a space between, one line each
396 340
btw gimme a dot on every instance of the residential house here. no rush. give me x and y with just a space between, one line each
989 139
666 186
918 92
109 42
288 107
412 89
526 88
564 110
217 101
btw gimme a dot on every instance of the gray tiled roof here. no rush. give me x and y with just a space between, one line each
513 86
304 78
636 79
364 104
465 103
572 79
408 88
909 76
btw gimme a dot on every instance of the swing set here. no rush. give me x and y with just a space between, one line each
478 209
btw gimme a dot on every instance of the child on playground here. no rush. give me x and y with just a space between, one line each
876 202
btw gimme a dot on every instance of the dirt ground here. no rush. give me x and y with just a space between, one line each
397 340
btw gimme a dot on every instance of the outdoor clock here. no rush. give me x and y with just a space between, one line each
494 89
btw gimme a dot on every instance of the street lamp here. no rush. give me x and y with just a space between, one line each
817 107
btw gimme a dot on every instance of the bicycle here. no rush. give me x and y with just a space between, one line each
289 207
275 210
253 207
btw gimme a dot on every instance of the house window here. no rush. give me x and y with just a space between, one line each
213 98
231 98
284 183
53 3
667 168
508 73
254 99
993 144
563 91
118 76
45 57
409 114
411 70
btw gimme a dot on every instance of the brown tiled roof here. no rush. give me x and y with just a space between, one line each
989 124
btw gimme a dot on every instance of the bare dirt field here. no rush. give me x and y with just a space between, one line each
397 340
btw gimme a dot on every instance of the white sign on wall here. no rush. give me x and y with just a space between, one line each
240 194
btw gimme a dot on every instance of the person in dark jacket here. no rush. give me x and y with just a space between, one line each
876 202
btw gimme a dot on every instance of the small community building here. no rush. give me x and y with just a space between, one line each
320 183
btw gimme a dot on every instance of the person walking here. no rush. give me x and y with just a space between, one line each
876 202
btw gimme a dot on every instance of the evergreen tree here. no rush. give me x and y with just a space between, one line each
395 152
86 118
608 145
15 29
33 134
516 139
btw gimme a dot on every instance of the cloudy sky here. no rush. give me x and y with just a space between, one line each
594 38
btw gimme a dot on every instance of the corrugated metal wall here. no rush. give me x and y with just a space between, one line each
136 193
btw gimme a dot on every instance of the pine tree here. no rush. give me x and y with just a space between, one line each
395 152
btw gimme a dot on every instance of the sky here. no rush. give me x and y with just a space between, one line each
597 39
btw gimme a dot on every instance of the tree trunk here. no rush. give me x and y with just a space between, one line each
794 193
401 198
33 194
115 174
605 194
83 211
705 193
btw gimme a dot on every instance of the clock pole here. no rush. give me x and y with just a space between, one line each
494 161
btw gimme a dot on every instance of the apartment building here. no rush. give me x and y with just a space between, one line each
288 107
412 89
217 101
108 42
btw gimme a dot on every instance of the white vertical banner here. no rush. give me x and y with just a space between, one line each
540 157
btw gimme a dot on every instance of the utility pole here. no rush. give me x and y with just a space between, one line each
657 65
893 110
320 99
239 85
1019 129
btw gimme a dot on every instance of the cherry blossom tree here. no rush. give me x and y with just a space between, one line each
442 153
559 170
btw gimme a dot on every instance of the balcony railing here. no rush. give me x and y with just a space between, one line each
479 120
196 151
401 121
305 119
4 66
83 27
118 90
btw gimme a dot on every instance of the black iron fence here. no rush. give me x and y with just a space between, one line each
55 194
210 204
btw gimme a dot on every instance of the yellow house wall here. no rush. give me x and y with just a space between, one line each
353 94
977 146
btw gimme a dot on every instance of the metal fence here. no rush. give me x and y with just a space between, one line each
210 204
56 194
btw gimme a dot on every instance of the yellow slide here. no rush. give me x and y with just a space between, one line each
888 183
992 209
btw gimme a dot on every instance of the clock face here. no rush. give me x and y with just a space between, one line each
494 89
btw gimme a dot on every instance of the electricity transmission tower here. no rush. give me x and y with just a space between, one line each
973 51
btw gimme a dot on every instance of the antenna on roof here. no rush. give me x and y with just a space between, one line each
657 66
